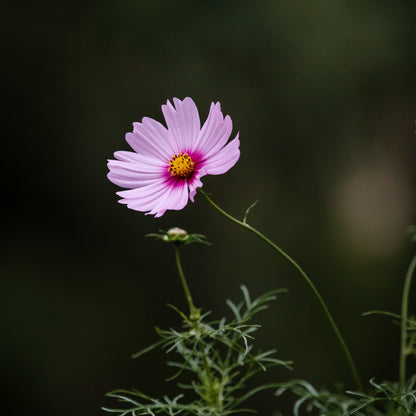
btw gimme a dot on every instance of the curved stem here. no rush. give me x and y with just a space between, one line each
328 314
192 309
404 316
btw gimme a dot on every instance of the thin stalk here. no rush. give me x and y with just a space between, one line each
404 316
194 315
333 325
192 309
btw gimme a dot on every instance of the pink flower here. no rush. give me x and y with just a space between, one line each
167 164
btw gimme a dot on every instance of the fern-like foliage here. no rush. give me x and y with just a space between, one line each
384 399
219 359
410 329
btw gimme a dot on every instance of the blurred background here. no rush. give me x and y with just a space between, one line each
323 94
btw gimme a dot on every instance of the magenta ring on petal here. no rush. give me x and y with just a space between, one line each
167 163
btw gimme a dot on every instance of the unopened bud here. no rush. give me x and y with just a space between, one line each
177 234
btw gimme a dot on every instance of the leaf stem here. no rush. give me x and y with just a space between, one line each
404 319
333 325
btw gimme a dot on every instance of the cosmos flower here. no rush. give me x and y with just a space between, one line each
167 164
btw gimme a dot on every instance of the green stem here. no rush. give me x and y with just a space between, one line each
192 310
194 316
331 320
404 316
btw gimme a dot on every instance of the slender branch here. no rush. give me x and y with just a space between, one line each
333 325
404 320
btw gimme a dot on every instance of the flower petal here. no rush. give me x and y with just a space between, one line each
214 133
139 162
143 198
133 170
150 138
183 122
194 185
225 159
156 197
176 197
130 175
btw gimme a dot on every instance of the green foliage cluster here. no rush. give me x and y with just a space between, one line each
384 399
216 358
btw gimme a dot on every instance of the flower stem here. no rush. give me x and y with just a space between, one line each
333 325
404 316
193 312
194 317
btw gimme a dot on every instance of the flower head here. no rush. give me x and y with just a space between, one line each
167 164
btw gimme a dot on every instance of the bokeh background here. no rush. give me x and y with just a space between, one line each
323 94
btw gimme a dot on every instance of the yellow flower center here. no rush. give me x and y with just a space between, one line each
181 165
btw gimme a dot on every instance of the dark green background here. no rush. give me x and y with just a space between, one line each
323 94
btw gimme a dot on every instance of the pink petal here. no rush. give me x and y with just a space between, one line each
126 156
183 122
133 175
143 198
219 138
194 185
150 138
214 117
156 197
142 145
133 170
176 197
124 181
214 133
154 138
225 159
137 162
130 156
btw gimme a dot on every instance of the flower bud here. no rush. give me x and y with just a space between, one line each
177 234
